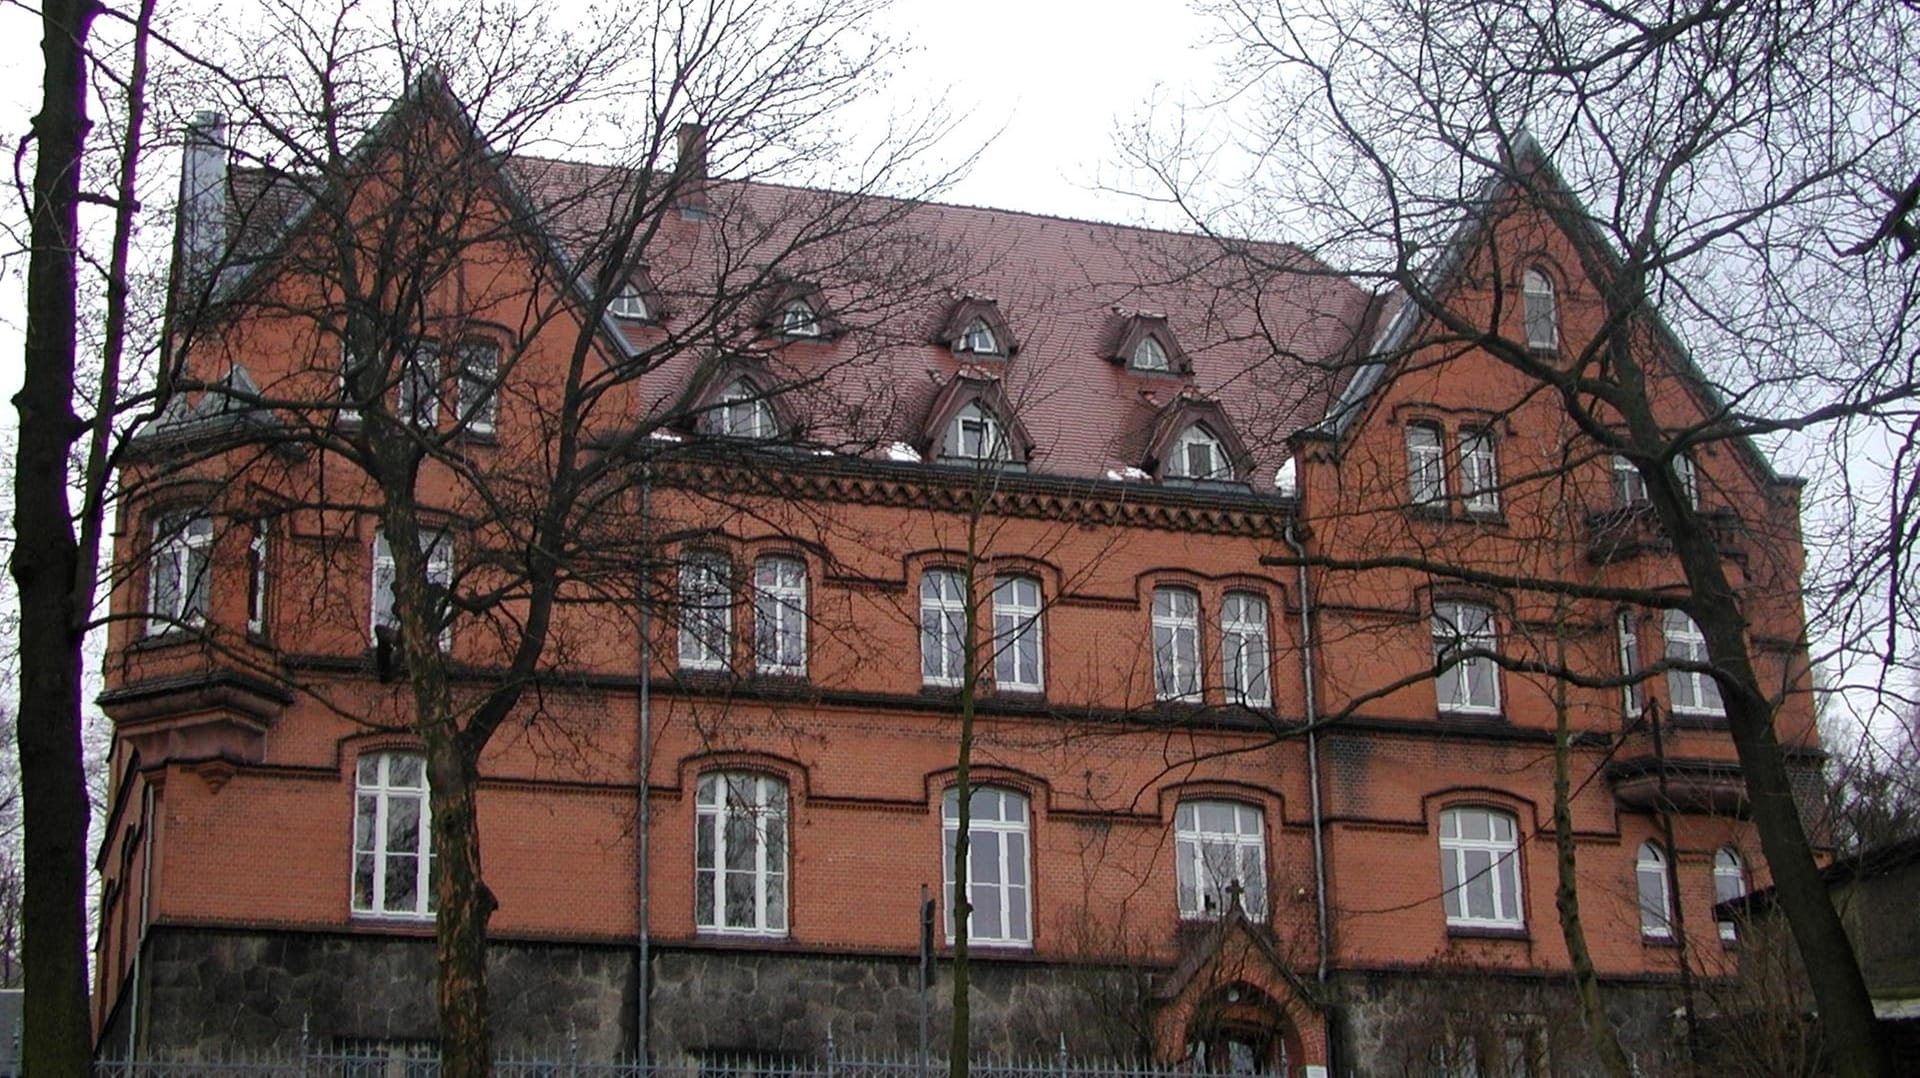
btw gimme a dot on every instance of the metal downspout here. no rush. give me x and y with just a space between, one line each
642 1016
1311 713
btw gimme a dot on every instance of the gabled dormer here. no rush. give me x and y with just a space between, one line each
1145 343
637 299
1193 441
798 311
972 422
740 399
975 327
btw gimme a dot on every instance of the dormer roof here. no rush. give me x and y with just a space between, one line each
970 309
971 385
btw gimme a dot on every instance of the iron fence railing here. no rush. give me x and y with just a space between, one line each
415 1062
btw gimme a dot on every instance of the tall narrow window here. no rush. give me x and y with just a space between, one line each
978 339
1629 486
417 396
179 568
257 577
976 434
1688 476
479 381
1426 467
943 615
437 546
1243 648
741 411
1543 321
1198 454
1479 478
1176 644
997 881
1656 901
1480 868
706 611
1149 355
1689 692
1627 636
1217 847
740 854
1016 633
392 836
1466 683
780 615
1729 885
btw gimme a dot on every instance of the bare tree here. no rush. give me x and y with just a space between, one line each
1704 168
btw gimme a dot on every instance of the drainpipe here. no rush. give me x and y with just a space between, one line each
1312 715
644 976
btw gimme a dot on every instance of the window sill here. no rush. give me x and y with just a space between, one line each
1660 942
412 922
1697 720
169 638
1495 717
1489 932
739 935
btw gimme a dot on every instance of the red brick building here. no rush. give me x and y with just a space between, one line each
1127 441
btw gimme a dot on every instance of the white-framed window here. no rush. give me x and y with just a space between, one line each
1198 454
1479 474
417 393
1480 868
349 412
629 304
1626 629
1729 885
1150 355
1470 684
1543 320
437 546
1016 634
976 434
1176 644
392 836
1426 467
479 374
997 866
742 411
706 610
780 615
179 571
1687 474
740 854
1218 845
1656 900
799 319
943 626
257 576
1689 692
978 339
1244 649
1629 486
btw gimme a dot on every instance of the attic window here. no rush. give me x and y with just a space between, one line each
1148 355
1543 319
799 319
630 304
978 339
742 411
976 434
1198 454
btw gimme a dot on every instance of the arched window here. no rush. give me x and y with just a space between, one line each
1176 644
1729 884
706 610
742 411
1016 633
1198 454
1480 868
799 319
780 615
1426 467
1656 901
1543 320
179 565
1217 847
1479 475
978 339
1243 648
943 613
976 434
1149 355
740 854
629 304
997 881
1689 692
1470 683
392 829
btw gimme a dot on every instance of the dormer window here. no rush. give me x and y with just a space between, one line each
630 304
799 319
742 411
976 434
978 339
1148 355
1198 454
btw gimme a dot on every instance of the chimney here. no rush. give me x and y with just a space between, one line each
202 214
690 172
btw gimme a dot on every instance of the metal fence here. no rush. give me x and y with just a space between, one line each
420 1062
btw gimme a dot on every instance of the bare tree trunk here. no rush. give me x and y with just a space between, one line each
464 906
47 568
